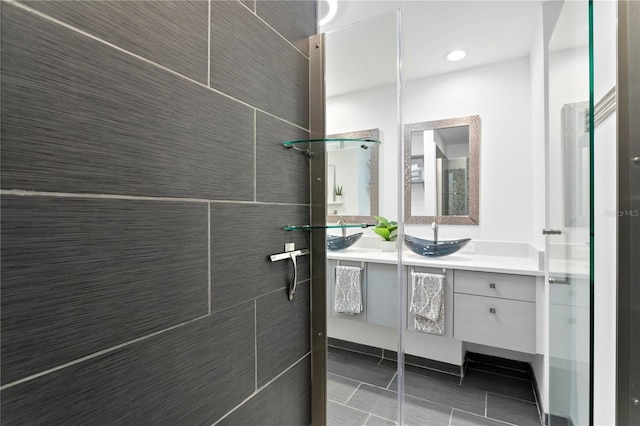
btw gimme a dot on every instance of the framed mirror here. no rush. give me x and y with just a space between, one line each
352 179
442 171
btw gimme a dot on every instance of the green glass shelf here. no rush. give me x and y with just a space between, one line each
309 227
312 146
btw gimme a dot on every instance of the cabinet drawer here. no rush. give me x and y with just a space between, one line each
504 286
511 324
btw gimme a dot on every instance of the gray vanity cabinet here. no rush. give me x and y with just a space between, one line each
492 309
496 310
379 292
382 294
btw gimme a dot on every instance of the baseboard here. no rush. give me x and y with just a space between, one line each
413 360
557 420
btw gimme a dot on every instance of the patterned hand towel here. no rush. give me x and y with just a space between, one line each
427 302
348 290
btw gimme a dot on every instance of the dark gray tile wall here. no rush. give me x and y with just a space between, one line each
279 170
251 4
286 402
279 330
140 207
289 18
173 35
87 118
242 238
251 62
193 374
80 275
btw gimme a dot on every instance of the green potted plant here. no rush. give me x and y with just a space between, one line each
388 230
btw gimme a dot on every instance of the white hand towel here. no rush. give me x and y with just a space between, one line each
348 290
427 302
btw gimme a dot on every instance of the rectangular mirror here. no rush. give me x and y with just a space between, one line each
442 171
352 179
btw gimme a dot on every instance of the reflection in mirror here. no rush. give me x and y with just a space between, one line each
352 179
442 171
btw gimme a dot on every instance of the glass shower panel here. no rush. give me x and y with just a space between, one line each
361 89
568 217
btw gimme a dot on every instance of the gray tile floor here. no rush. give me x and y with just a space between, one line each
362 390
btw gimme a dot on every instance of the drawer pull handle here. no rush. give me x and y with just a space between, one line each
492 285
492 310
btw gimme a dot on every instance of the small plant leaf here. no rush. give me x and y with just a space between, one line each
383 232
381 220
393 235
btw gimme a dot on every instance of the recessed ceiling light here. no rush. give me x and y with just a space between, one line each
333 8
456 55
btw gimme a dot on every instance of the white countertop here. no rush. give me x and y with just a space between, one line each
522 265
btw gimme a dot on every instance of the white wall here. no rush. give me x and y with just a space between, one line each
605 207
539 84
500 95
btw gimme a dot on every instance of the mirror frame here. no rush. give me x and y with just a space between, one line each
373 192
472 218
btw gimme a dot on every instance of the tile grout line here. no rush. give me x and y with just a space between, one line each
30 193
255 155
392 379
116 347
359 410
255 13
367 419
261 389
353 393
300 283
99 353
209 251
486 403
511 397
356 380
209 47
141 58
483 417
535 398
255 340
423 399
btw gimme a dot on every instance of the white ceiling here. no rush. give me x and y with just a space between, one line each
363 55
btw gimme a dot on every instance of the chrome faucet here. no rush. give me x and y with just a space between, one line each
434 226
344 230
